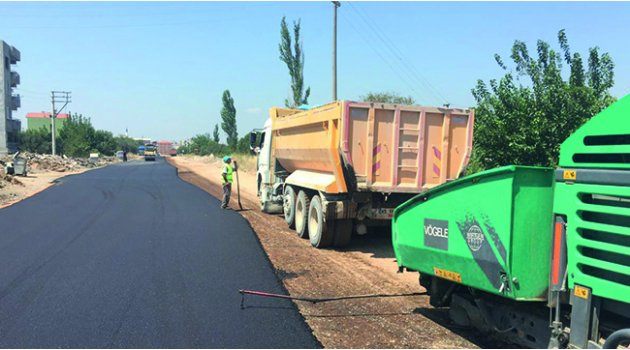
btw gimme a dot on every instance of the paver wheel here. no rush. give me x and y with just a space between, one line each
320 234
343 233
302 204
289 206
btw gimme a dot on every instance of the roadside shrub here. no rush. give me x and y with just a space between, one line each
36 140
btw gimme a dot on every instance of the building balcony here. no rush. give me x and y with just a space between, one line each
15 79
15 55
15 102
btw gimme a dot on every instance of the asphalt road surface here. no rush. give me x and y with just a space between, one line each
132 256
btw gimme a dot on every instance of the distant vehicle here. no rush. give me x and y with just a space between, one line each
119 154
141 150
150 152
345 166
164 147
173 152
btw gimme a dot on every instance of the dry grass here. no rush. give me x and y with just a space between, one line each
246 162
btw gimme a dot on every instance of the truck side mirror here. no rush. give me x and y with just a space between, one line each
252 139
252 142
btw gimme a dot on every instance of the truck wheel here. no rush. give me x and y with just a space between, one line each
289 206
302 204
343 233
320 234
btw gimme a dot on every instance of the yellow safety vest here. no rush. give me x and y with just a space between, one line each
227 170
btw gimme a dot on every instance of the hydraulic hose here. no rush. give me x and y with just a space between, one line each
616 338
244 292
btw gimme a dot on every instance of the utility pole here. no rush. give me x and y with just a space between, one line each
336 4
57 97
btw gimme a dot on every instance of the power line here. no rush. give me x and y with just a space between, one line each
31 92
130 25
402 78
397 53
57 97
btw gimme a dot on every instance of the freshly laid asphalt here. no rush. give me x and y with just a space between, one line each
132 256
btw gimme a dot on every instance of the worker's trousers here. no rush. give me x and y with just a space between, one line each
227 191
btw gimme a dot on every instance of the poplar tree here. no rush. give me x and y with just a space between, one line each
215 133
292 54
228 117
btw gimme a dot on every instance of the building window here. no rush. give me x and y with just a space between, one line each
7 65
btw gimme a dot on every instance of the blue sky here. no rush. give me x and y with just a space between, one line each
160 68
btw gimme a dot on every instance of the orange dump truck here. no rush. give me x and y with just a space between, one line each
342 167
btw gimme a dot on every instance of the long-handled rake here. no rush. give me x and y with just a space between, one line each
238 190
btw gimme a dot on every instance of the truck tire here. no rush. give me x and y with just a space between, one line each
258 183
264 207
289 206
320 234
302 205
343 233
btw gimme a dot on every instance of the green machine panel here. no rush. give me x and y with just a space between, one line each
598 236
491 231
603 142
593 195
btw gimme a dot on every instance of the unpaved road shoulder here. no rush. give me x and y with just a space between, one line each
43 171
30 185
367 266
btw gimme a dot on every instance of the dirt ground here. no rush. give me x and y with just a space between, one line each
401 318
39 178
30 185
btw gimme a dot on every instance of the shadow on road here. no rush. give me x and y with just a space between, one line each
377 242
441 317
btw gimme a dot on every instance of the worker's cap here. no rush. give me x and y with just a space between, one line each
227 159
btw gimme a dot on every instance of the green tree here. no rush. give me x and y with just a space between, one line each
204 145
215 133
228 117
293 57
387 97
79 138
76 137
125 143
36 140
243 144
103 142
523 117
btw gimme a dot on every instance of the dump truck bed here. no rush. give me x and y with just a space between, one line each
374 147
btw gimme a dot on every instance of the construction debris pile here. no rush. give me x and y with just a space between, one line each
37 163
6 179
46 162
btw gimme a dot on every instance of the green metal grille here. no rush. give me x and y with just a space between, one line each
603 142
595 197
598 237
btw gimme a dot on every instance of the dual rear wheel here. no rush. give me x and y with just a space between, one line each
306 214
302 205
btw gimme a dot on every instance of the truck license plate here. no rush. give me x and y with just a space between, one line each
382 213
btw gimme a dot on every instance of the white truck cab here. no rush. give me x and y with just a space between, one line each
269 192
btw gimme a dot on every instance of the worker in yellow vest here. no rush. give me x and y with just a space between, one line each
226 180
